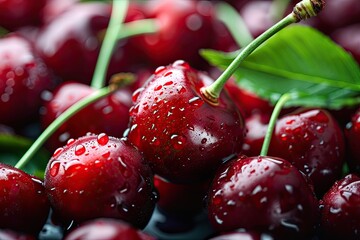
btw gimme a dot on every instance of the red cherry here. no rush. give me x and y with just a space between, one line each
265 194
23 201
184 28
310 139
340 209
352 135
100 176
183 138
70 44
349 38
107 229
11 235
109 115
20 13
23 78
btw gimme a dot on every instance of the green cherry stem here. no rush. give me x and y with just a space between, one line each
111 37
271 126
138 27
303 10
60 120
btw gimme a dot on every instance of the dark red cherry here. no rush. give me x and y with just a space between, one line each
241 235
310 139
23 201
107 229
70 44
183 138
184 28
349 38
340 209
100 176
352 136
109 115
257 16
20 13
265 194
23 78
6 234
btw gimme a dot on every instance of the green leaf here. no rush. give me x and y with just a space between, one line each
299 60
12 147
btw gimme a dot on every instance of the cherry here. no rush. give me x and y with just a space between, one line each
11 235
23 77
352 134
70 44
241 235
20 13
54 8
349 38
109 115
23 201
107 229
184 28
310 139
257 16
183 137
265 194
100 176
340 209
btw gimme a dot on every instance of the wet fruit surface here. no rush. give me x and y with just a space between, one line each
183 138
100 176
265 194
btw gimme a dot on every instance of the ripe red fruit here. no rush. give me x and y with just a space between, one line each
340 209
183 138
70 44
23 201
265 194
109 115
184 28
20 13
107 229
311 140
352 135
349 38
100 176
6 234
23 77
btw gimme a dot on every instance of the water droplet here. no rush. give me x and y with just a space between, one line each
181 89
231 203
54 168
335 210
196 101
136 94
289 188
79 150
168 74
70 141
134 110
181 63
218 220
177 141
103 139
106 155
291 121
320 129
159 69
57 152
124 188
204 140
155 141
158 87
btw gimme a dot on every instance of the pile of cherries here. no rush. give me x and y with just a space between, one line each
156 145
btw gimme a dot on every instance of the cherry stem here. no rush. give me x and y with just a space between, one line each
303 10
98 94
107 47
271 126
138 27
234 23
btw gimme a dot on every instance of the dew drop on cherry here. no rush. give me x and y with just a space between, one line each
159 69
70 141
103 139
79 150
54 168
136 94
57 152
196 101
177 141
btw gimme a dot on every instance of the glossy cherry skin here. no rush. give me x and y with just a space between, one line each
265 194
20 13
184 28
109 115
352 136
310 139
11 235
100 176
341 210
106 229
23 78
70 44
241 235
23 201
183 137
349 38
